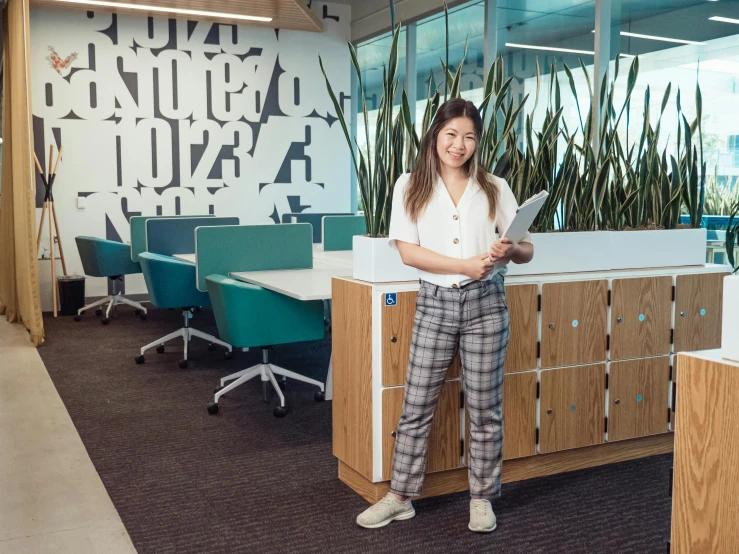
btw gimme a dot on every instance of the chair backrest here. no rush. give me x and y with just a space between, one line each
338 231
312 218
251 248
177 236
171 282
105 258
138 231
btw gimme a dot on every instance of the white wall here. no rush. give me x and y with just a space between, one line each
162 116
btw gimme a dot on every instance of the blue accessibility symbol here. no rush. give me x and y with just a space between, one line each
391 299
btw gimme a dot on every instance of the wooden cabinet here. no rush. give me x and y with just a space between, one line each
523 312
705 498
698 311
397 330
673 391
638 398
640 317
445 438
574 322
519 415
572 407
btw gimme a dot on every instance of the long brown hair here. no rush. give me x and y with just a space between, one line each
425 172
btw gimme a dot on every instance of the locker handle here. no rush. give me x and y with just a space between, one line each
617 401
549 411
393 339
551 325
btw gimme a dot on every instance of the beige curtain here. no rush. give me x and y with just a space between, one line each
20 299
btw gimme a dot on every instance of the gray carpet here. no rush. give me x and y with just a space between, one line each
243 481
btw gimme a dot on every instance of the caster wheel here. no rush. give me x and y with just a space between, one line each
160 349
215 390
143 317
78 318
279 411
227 355
140 359
319 396
183 364
105 321
283 384
211 346
98 312
213 409
137 311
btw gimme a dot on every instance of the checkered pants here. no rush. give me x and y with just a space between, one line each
473 319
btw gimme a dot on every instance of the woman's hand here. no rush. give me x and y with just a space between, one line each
503 250
478 267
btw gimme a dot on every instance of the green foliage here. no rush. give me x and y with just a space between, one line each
720 199
593 183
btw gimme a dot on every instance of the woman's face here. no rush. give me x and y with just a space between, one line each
456 142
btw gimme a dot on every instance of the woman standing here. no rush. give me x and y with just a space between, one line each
443 223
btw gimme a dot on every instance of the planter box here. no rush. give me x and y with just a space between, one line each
730 319
609 250
375 261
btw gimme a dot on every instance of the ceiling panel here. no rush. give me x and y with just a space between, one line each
285 14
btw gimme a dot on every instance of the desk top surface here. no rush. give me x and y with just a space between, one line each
301 284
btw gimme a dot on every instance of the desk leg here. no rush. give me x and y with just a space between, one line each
329 379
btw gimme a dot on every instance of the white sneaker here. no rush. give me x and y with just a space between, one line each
482 518
386 510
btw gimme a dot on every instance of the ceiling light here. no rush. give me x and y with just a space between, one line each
664 39
162 9
724 19
571 50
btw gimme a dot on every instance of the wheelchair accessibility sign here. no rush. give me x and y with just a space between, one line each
391 299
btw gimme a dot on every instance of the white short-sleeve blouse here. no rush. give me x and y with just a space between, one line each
460 231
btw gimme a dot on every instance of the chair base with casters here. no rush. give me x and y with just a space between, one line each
112 301
266 371
186 333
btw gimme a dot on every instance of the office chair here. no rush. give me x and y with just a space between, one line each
171 284
272 319
107 258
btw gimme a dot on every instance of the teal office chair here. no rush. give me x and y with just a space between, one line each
107 258
251 316
171 284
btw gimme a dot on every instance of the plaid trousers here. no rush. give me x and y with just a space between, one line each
473 319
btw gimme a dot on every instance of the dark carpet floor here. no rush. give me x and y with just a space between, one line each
243 481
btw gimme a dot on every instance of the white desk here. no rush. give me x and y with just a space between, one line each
189 258
301 284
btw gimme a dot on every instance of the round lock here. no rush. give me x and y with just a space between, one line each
619 319
575 323
394 434
551 325
549 411
703 311
639 397
682 314
617 401
393 339
573 408
641 317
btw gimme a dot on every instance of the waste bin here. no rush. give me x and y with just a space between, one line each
71 293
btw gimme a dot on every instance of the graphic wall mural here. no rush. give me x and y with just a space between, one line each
170 117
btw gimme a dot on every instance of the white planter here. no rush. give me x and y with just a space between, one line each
609 250
730 319
375 261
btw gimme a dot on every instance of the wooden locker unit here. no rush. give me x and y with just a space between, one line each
523 313
573 322
445 434
572 407
519 415
397 329
640 317
638 398
698 301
